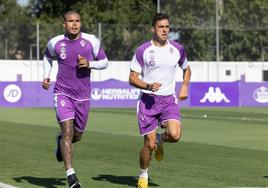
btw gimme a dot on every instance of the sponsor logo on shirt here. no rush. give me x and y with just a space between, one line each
214 95
12 93
261 94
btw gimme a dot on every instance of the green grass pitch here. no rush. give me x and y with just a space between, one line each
220 147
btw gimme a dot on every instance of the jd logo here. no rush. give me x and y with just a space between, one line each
214 95
12 93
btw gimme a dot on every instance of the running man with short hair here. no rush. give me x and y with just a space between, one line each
75 52
156 62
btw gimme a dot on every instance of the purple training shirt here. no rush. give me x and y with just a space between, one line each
72 81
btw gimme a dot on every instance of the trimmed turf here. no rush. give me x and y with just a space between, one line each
220 147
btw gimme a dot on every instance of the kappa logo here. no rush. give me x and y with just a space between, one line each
214 95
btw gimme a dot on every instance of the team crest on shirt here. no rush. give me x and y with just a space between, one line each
62 102
151 58
63 51
83 43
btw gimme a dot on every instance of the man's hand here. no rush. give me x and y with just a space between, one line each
183 94
46 83
82 62
155 86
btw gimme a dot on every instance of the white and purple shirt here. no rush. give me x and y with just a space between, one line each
159 64
72 81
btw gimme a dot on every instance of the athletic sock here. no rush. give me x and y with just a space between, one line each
70 172
144 173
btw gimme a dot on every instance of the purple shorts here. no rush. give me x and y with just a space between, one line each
67 108
153 109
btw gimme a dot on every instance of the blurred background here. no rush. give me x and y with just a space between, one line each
225 117
225 40
211 30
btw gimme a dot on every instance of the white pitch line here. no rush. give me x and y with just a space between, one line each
220 117
3 185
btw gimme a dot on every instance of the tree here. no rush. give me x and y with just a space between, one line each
193 21
243 28
121 22
14 30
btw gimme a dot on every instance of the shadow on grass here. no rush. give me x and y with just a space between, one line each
42 182
122 180
265 176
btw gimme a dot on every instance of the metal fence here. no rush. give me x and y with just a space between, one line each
28 42
208 37
23 42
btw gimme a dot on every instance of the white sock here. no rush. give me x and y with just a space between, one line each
159 139
70 172
144 173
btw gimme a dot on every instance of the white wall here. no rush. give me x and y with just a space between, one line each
201 71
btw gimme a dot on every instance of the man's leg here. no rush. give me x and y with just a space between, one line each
77 136
69 135
66 147
145 158
173 131
148 147
172 134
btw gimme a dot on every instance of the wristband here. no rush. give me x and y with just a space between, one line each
148 87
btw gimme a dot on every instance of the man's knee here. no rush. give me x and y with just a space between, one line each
151 145
175 137
174 132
